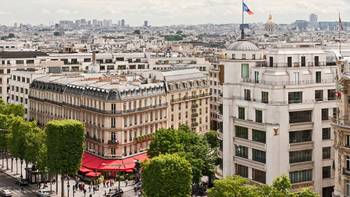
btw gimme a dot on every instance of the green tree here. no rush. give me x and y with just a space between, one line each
167 175
65 139
17 138
4 133
11 109
212 139
35 140
232 187
237 186
282 185
165 141
188 144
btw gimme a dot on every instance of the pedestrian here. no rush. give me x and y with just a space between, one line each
90 195
126 182
105 193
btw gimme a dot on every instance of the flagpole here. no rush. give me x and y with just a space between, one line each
242 25
340 28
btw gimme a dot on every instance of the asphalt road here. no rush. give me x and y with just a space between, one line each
7 182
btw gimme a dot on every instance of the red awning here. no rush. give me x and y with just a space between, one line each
93 174
84 170
96 163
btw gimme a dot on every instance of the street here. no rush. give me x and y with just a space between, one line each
7 182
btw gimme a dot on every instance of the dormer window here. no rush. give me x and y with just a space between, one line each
253 56
233 56
244 56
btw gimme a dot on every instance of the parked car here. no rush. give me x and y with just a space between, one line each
115 193
22 182
5 193
43 193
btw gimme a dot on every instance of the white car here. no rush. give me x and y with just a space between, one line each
5 193
43 193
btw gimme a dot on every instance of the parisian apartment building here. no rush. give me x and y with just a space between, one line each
121 112
277 109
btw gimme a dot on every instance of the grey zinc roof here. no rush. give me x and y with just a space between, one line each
184 74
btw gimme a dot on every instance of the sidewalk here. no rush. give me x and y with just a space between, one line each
128 190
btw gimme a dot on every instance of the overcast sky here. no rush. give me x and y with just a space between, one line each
168 12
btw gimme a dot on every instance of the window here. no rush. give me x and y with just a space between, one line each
259 156
331 94
241 113
326 133
258 116
256 77
300 156
300 176
347 163
271 61
326 172
241 132
289 61
259 176
300 136
300 116
318 95
347 140
241 170
247 95
245 71
325 115
326 152
303 61
318 77
264 97
113 122
317 60
259 136
295 97
241 151
348 188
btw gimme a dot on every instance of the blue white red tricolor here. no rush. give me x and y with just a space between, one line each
246 9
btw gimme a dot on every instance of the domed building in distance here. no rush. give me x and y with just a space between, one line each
270 25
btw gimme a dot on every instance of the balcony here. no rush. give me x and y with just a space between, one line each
113 142
220 136
194 124
194 106
342 122
188 98
194 115
144 138
286 83
301 146
295 64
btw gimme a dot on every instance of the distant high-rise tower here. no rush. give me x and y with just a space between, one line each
145 23
122 22
313 18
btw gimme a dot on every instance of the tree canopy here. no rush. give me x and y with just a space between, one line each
192 146
65 139
167 175
237 186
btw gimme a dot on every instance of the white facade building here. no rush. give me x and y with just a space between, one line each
276 111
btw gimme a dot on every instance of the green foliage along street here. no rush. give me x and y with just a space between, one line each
65 140
240 187
192 146
167 175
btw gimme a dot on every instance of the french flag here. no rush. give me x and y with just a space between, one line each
246 9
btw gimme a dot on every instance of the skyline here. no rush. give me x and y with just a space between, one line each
172 13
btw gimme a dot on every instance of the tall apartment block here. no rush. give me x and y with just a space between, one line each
277 106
